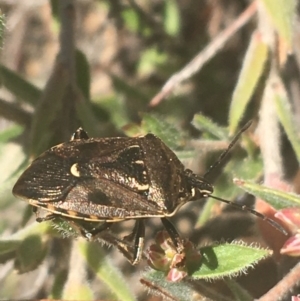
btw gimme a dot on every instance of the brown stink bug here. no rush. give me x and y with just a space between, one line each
106 180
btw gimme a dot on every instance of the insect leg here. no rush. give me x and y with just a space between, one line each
173 234
122 245
43 215
137 236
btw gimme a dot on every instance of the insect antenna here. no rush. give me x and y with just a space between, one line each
254 212
243 207
230 146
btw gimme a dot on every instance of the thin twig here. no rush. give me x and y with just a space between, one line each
204 56
14 113
284 287
66 39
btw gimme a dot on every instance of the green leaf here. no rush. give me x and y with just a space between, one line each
18 86
31 230
286 116
131 20
7 246
116 108
172 18
253 66
238 166
50 104
155 124
129 90
83 77
81 292
58 284
156 282
2 28
228 260
105 270
282 13
277 198
240 294
241 167
203 123
87 117
10 133
150 59
30 254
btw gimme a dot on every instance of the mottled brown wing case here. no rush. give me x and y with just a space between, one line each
113 178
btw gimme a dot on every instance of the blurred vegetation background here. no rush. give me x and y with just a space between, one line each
192 72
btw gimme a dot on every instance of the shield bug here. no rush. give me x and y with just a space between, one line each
101 181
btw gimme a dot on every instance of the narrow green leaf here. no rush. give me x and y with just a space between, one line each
32 229
172 18
205 214
58 284
7 256
157 284
80 292
18 86
277 198
87 117
185 154
228 260
286 117
10 133
30 254
83 77
2 28
116 109
238 291
203 123
129 90
105 270
76 286
7 246
50 104
165 131
282 13
253 65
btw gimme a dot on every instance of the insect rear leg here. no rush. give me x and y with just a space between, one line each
177 241
124 246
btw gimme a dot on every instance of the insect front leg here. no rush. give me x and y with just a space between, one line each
137 237
176 239
43 215
88 230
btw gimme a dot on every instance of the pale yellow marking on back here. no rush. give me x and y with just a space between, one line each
74 170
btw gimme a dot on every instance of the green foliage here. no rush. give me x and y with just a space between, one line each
131 20
19 86
172 18
106 271
282 13
30 254
151 58
148 42
277 198
225 260
253 66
